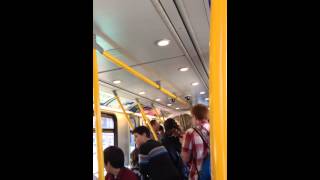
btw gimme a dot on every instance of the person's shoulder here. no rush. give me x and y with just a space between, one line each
153 143
189 131
108 176
146 147
130 175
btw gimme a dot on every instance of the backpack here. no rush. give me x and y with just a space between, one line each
204 173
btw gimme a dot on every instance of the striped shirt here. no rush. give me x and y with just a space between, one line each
194 145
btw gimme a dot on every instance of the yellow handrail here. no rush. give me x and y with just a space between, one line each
141 76
97 112
123 110
146 121
218 89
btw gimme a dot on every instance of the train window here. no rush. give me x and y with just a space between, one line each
107 123
109 134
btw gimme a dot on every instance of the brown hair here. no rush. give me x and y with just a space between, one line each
153 122
200 112
134 155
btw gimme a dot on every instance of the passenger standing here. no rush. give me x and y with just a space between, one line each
161 132
194 149
156 126
114 165
173 145
154 160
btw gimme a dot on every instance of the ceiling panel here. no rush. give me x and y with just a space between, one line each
106 65
133 27
166 71
196 12
125 94
128 30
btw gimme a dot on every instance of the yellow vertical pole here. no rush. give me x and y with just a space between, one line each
98 117
157 114
218 89
123 110
146 121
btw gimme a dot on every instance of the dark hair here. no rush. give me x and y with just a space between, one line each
153 122
200 112
142 130
115 156
170 124
161 128
172 128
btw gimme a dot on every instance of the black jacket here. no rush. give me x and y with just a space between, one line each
155 162
173 147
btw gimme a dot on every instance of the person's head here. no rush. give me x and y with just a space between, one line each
141 135
171 127
113 159
199 114
155 125
134 156
161 130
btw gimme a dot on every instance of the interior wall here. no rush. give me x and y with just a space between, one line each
123 135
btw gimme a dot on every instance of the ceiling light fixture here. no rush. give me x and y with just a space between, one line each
184 69
116 82
195 84
163 42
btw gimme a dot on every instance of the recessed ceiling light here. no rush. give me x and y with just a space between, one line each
177 108
163 42
169 104
142 92
195 84
116 82
202 92
207 99
184 69
158 99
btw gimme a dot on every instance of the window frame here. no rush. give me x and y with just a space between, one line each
115 126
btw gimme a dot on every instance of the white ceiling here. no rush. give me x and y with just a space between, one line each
128 29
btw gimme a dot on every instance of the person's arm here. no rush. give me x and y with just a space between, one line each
143 164
143 160
185 156
186 147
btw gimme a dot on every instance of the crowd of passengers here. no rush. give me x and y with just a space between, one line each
176 156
